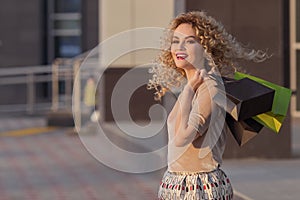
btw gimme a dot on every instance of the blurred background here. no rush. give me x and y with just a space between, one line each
43 42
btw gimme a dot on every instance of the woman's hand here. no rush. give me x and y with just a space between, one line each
197 79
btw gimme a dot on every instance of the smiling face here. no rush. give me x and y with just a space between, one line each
185 48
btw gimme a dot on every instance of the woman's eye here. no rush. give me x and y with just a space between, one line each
190 41
175 42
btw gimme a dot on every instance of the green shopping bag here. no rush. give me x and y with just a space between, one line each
274 118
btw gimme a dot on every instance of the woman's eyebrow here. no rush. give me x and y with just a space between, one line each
190 36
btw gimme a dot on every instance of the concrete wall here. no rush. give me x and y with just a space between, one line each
118 16
21 41
90 24
140 101
259 23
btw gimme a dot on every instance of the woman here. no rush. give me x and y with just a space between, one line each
197 52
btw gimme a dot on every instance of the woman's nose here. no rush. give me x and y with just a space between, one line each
181 45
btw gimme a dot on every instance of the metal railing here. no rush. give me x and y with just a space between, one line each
61 70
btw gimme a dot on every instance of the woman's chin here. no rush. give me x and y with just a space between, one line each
184 66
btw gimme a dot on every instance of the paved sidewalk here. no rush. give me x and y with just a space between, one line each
265 179
56 166
12 123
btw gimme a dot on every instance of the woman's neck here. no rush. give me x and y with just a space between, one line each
190 73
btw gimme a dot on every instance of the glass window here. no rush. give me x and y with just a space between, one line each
67 24
65 29
67 47
62 6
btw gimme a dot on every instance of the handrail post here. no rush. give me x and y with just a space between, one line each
55 89
30 93
68 93
76 94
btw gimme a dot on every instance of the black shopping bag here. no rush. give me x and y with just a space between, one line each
246 98
243 130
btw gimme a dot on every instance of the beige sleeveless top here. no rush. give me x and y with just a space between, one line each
204 152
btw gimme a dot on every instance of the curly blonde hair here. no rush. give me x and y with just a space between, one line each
221 51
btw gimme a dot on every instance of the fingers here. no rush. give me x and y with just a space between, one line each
200 74
198 78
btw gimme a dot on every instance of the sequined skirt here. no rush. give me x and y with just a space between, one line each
195 186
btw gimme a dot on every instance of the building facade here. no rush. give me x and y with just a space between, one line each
35 32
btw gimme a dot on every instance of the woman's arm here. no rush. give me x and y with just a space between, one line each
194 111
184 133
194 116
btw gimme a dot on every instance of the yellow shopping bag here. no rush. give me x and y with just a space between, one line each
274 118
270 120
